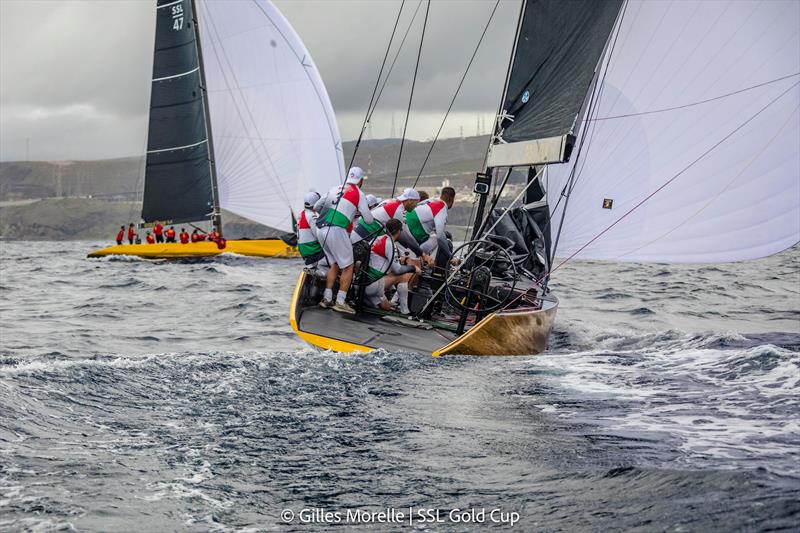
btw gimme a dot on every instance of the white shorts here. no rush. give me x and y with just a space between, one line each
375 293
336 245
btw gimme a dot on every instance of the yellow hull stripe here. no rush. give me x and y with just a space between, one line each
254 248
319 341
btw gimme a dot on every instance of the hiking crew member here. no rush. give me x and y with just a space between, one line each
426 224
307 244
337 210
184 237
383 213
158 230
197 236
150 238
170 234
387 271
131 234
120 235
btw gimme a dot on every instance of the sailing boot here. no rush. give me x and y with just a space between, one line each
344 307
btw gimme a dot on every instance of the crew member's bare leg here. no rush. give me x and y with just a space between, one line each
330 279
346 279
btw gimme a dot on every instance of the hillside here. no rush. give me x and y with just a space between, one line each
90 199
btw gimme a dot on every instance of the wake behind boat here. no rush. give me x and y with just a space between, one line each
239 120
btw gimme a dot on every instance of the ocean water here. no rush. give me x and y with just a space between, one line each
160 396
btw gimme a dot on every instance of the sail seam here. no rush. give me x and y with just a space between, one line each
177 75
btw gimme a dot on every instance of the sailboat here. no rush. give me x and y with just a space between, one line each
239 120
647 131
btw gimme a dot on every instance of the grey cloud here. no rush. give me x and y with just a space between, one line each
74 74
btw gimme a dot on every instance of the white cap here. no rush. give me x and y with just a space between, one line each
372 201
409 194
355 175
310 198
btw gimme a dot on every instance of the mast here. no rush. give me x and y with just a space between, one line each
486 178
216 216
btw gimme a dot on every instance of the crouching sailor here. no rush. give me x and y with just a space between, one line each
427 222
387 271
337 210
307 244
383 213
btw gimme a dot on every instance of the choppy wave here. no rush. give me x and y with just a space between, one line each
173 396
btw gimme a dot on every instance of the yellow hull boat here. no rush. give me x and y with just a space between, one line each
254 248
521 331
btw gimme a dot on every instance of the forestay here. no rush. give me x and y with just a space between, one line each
742 199
274 130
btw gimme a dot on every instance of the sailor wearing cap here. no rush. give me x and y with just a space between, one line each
383 213
425 225
337 210
307 244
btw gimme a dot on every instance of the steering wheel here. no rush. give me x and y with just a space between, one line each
478 258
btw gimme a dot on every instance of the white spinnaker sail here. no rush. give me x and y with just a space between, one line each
742 200
274 130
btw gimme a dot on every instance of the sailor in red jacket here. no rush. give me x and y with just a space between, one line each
131 234
198 236
121 235
184 236
158 230
150 238
170 233
217 238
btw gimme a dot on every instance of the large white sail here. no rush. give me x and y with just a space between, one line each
273 127
739 201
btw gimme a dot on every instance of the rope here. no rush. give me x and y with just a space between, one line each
460 83
411 97
375 89
673 178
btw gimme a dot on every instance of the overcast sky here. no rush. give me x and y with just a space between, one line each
75 75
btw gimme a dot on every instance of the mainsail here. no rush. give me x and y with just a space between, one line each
270 123
178 181
275 133
556 51
692 152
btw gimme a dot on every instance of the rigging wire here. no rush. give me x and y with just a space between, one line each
375 89
411 96
374 100
675 108
455 95
673 178
394 60
739 174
